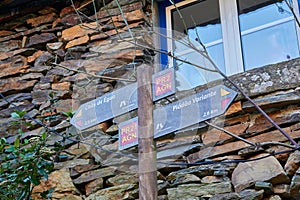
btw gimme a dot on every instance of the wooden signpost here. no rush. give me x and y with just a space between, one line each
151 123
146 145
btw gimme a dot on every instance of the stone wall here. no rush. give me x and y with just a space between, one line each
52 61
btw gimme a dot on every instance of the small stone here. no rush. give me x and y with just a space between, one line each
63 186
79 31
122 179
31 76
49 79
267 169
40 39
16 84
267 187
79 41
260 124
228 196
250 194
62 125
77 149
298 171
214 179
63 105
293 163
8 129
37 21
39 69
162 197
44 59
54 46
13 71
94 174
103 126
182 179
114 160
273 197
10 45
186 191
79 169
67 10
15 98
112 48
4 33
295 187
112 130
60 53
21 29
93 186
214 135
282 190
32 58
234 108
70 163
6 112
61 86
125 191
220 173
114 10
250 151
70 20
40 96
136 15
42 86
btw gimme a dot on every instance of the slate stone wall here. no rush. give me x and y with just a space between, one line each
52 61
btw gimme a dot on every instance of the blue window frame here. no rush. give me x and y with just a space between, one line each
163 25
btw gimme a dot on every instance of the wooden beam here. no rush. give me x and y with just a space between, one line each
146 145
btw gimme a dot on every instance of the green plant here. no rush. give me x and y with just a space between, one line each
69 113
23 163
21 120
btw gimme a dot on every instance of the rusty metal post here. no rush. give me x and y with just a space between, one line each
146 145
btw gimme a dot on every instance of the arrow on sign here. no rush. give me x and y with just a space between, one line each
186 112
224 92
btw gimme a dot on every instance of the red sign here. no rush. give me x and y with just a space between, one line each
164 84
128 133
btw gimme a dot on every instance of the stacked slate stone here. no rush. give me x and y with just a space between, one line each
54 59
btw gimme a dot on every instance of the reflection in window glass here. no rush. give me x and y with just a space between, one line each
268 32
199 25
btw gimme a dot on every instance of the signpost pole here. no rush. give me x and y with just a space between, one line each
146 145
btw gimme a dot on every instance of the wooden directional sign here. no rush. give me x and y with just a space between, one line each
185 112
106 107
120 101
193 109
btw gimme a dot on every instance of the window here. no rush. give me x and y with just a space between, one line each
238 35
268 33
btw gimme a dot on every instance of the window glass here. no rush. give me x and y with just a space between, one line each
196 24
268 32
